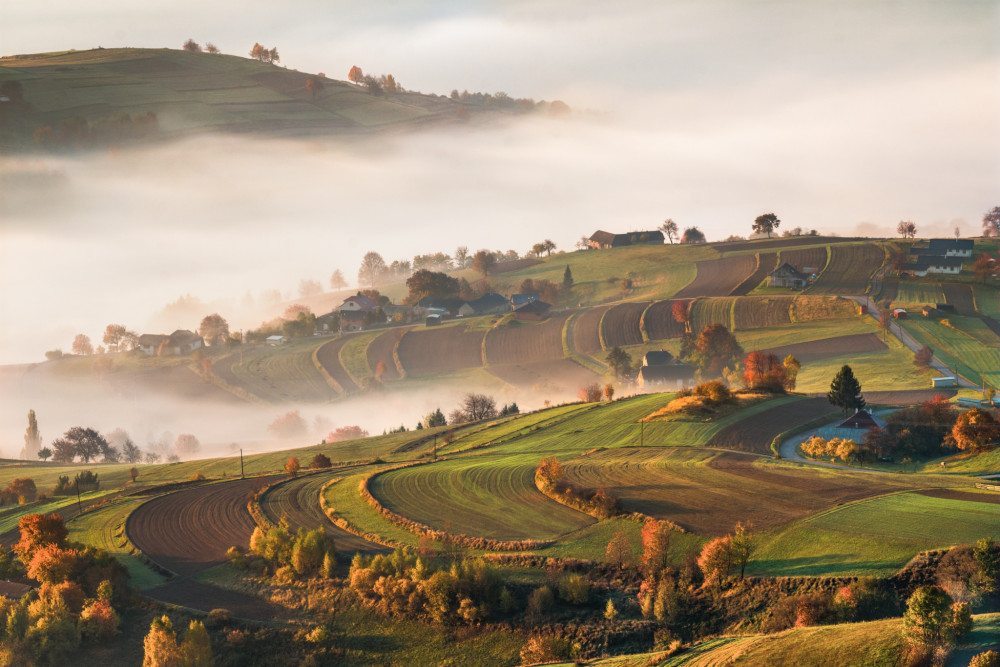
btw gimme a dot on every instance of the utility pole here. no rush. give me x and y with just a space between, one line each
79 505
241 464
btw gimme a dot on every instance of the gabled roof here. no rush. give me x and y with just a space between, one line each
657 358
451 305
13 590
602 237
786 269
666 373
939 246
518 300
862 419
352 316
362 301
926 261
152 340
184 337
488 300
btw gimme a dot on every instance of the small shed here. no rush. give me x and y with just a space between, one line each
787 275
862 309
947 381
899 313
274 340
947 307
432 320
931 312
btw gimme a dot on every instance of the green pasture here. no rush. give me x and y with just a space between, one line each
10 516
873 537
987 299
282 373
354 355
918 293
100 528
959 351
985 463
344 498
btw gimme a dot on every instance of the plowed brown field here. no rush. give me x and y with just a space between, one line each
708 492
719 277
328 356
440 349
659 322
850 269
754 434
620 325
759 312
196 595
586 330
815 350
526 342
766 262
189 531
813 259
555 376
962 298
380 349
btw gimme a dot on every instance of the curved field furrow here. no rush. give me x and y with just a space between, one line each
189 531
807 260
659 323
755 433
766 262
712 310
620 325
719 277
816 350
850 269
328 356
587 332
526 342
297 500
482 496
381 349
961 296
759 312
560 375
440 350
708 492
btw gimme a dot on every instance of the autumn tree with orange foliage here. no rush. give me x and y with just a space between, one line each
590 393
762 371
655 546
716 560
681 312
292 466
37 531
974 431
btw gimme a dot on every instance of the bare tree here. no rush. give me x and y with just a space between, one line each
372 268
192 46
82 345
906 229
669 229
478 406
337 280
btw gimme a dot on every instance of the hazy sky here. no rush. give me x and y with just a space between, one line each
845 116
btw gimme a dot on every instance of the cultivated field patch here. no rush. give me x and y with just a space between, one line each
620 325
658 321
587 330
766 262
755 432
381 349
712 310
440 349
719 277
328 356
850 269
807 308
810 261
815 350
556 377
525 342
752 312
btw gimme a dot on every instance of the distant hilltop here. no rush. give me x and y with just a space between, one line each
102 97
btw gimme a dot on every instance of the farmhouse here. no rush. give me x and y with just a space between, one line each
946 248
862 419
354 320
179 342
787 275
358 303
533 310
489 304
601 240
428 304
925 264
518 300
666 376
328 322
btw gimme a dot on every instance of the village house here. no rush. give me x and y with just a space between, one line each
601 240
925 264
533 310
666 376
428 305
657 358
276 339
787 275
358 303
518 300
489 304
949 247
327 323
178 343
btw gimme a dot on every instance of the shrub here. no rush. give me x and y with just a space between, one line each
320 461
540 601
545 649
574 588
986 659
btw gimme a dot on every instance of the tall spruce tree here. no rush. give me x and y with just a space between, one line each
32 438
567 279
845 391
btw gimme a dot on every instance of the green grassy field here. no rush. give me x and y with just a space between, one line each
918 293
353 356
959 351
873 537
10 516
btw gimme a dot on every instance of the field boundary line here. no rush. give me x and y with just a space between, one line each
340 359
326 374
395 356
344 524
600 330
569 345
238 392
642 322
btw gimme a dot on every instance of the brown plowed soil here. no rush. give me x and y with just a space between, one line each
811 258
298 501
710 498
526 342
962 298
620 325
659 321
954 494
205 597
556 376
328 356
440 349
586 330
380 349
189 531
766 262
754 312
782 242
850 269
754 434
830 347
907 397
719 277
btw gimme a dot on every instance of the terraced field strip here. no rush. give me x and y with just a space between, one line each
712 310
958 351
64 506
658 321
190 530
713 653
964 300
282 375
766 262
587 331
440 349
913 293
874 537
104 528
561 377
382 349
719 277
525 342
826 348
344 499
620 325
298 501
489 496
850 269
807 308
502 430
751 312
707 491
328 357
755 432
810 261
353 356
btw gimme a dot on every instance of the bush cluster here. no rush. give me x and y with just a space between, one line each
550 480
